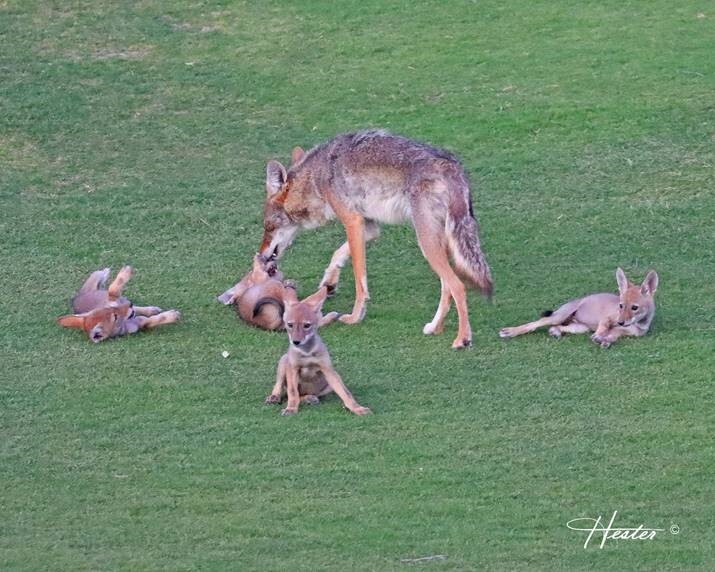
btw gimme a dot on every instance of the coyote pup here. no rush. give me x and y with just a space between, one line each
610 316
105 313
259 296
306 371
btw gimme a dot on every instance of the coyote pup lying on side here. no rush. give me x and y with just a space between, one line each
610 316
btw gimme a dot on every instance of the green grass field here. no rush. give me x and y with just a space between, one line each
138 132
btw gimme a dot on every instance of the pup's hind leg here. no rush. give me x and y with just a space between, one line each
557 318
115 288
570 328
96 280
278 389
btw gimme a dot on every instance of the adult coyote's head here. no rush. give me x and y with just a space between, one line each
279 228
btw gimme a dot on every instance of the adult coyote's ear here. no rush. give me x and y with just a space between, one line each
296 155
275 177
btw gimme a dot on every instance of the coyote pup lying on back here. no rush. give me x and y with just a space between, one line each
630 313
105 313
259 295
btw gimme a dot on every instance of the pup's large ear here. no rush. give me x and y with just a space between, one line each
290 296
622 280
650 284
316 301
275 177
71 321
296 155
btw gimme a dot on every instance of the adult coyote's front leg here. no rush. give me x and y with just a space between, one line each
355 229
331 277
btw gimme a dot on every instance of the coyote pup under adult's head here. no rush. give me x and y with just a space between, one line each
259 295
105 313
306 371
630 313
372 177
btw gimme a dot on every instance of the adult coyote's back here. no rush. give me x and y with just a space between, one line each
370 177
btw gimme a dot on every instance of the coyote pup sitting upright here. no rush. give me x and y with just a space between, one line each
105 313
610 316
305 371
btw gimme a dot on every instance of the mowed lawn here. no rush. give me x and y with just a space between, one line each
138 132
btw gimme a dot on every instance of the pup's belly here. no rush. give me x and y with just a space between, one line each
311 381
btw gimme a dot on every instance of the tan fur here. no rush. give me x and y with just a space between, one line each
259 295
105 313
609 316
371 177
306 372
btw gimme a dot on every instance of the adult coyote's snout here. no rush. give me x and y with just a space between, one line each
373 177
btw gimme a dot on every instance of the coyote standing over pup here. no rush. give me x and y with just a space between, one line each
373 177
609 316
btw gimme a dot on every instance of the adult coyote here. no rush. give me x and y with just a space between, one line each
370 177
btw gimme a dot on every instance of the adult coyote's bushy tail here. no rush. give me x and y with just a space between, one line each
463 236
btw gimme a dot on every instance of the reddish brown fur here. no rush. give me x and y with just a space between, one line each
105 313
259 295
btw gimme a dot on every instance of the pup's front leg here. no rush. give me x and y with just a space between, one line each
293 396
337 385
149 322
612 335
600 336
147 310
277 393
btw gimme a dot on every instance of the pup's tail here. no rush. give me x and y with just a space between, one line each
268 301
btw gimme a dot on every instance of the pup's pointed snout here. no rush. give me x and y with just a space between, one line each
296 342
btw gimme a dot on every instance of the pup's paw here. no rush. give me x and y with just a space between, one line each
603 341
273 399
555 331
507 333
362 411
126 272
171 316
289 411
152 310
310 400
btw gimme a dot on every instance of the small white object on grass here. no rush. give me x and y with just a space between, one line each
224 353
